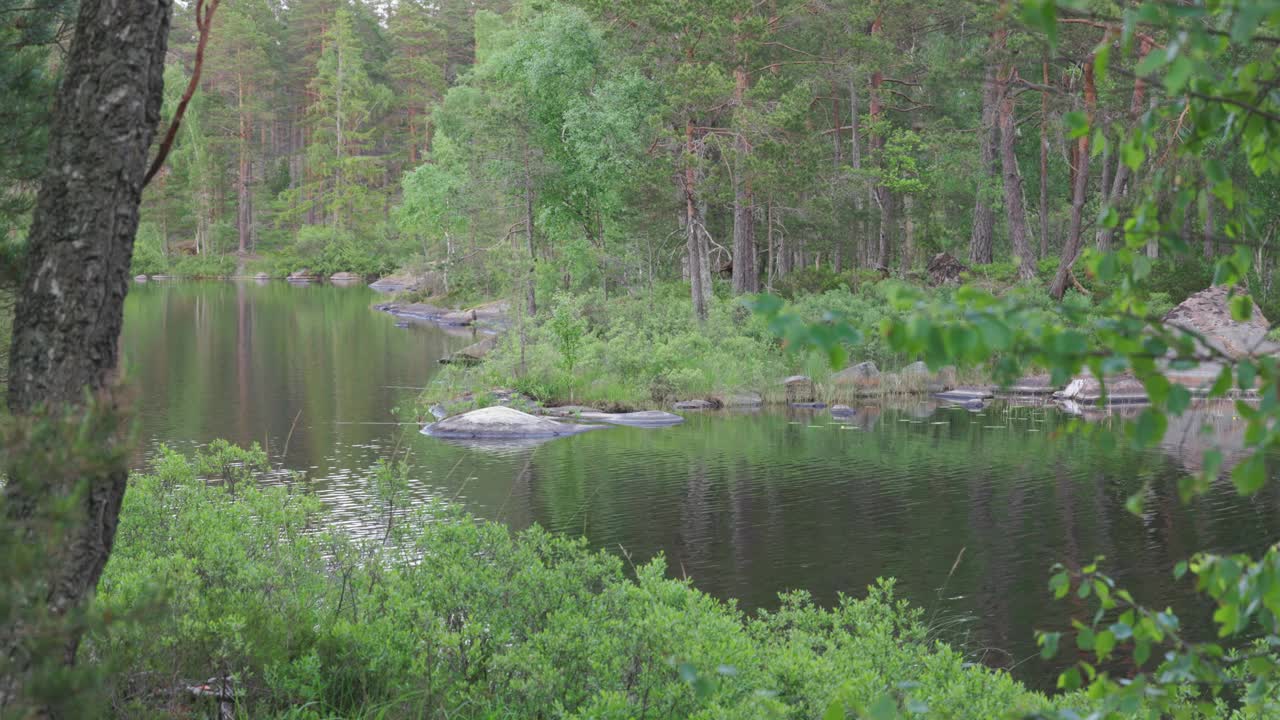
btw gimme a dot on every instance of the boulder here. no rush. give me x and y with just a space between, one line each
1031 385
140 278
492 313
457 317
741 400
943 380
472 354
694 405
430 282
262 276
800 389
1121 389
864 375
345 277
303 275
1208 313
944 268
501 423
916 369
643 418
841 410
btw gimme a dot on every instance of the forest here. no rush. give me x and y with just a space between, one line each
618 144
617 443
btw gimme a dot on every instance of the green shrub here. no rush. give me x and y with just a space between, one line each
148 252
811 281
459 618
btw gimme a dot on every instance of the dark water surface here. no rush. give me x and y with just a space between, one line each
966 509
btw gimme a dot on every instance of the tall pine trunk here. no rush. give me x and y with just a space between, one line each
66 335
745 277
1080 186
984 216
1014 205
695 235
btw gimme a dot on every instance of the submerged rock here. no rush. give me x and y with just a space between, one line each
841 410
501 423
808 405
800 389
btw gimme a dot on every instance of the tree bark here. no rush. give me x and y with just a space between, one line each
67 325
531 300
1044 162
243 207
1119 184
984 216
881 194
1015 208
1071 248
695 235
745 277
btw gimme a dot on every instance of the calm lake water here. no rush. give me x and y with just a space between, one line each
966 509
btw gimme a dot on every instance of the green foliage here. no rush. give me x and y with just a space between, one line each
459 618
148 252
203 266
630 351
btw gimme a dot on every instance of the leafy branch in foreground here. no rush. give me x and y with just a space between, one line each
1218 88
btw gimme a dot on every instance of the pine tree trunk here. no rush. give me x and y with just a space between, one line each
745 276
66 330
984 216
531 301
1044 163
695 238
1015 208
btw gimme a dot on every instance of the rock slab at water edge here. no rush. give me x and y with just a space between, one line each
643 418
501 423
694 405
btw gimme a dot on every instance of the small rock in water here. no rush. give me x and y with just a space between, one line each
841 410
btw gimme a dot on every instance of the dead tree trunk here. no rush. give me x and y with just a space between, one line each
66 334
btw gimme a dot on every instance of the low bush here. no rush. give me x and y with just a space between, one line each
203 266
459 618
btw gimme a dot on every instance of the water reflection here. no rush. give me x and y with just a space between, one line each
967 507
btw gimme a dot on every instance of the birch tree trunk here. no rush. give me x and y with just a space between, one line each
66 333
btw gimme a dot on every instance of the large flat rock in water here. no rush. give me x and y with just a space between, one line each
501 423
1208 313
643 418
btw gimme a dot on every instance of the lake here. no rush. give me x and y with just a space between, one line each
966 509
